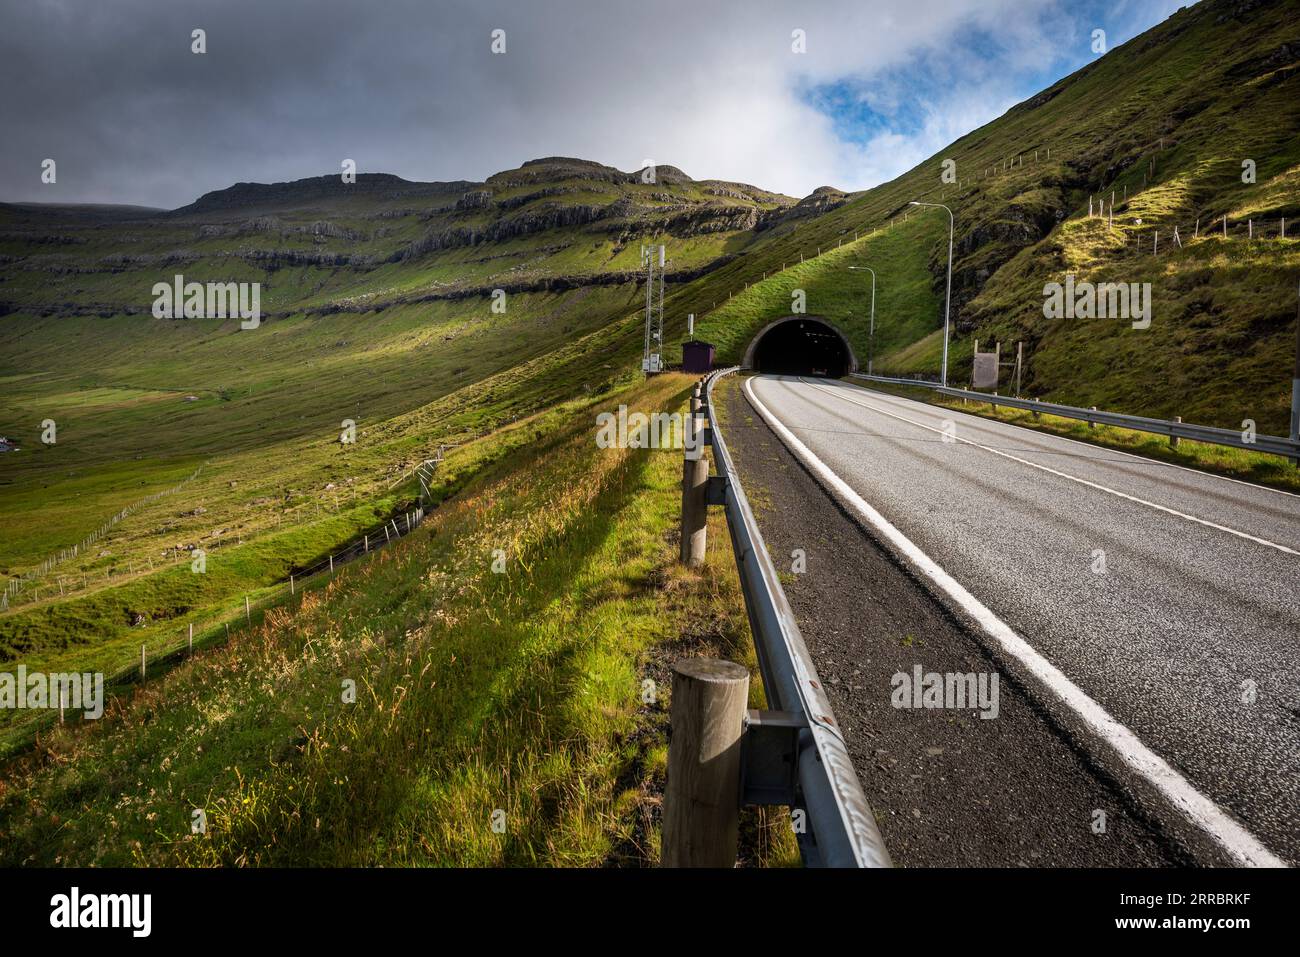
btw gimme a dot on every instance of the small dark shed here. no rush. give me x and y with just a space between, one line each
697 356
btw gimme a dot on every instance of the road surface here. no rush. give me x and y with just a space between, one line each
1154 610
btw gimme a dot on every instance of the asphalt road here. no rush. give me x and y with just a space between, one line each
1167 600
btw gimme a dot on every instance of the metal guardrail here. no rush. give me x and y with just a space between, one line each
843 831
1274 444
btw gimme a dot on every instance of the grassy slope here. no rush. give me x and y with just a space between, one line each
521 691
1222 336
271 452
905 300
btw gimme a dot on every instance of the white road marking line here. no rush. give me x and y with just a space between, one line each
1253 486
1234 839
1065 475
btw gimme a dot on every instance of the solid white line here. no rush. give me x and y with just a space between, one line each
1145 460
1065 475
1234 839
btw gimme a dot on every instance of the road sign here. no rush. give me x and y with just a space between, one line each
986 370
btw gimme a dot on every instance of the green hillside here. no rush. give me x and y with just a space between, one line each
378 308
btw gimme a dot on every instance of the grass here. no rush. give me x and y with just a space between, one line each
476 692
139 401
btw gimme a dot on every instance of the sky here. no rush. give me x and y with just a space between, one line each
722 89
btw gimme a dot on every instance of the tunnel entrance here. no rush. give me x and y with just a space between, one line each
801 345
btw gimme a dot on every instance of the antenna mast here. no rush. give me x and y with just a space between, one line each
652 360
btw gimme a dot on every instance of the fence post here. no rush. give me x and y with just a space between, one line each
1091 423
142 663
191 637
695 479
702 796
248 612
1173 439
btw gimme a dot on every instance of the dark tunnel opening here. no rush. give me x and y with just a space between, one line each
802 347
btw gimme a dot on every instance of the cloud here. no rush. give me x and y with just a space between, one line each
291 88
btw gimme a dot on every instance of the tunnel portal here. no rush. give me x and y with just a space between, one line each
801 345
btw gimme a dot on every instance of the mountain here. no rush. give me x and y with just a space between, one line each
552 223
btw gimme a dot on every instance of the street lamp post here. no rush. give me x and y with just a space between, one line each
947 309
871 338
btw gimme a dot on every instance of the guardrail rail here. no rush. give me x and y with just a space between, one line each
841 829
1175 429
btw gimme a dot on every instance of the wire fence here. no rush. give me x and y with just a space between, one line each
30 588
15 586
30 591
215 628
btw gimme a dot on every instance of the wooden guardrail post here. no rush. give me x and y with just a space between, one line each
695 480
702 797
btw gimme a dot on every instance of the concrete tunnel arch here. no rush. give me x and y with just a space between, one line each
801 345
